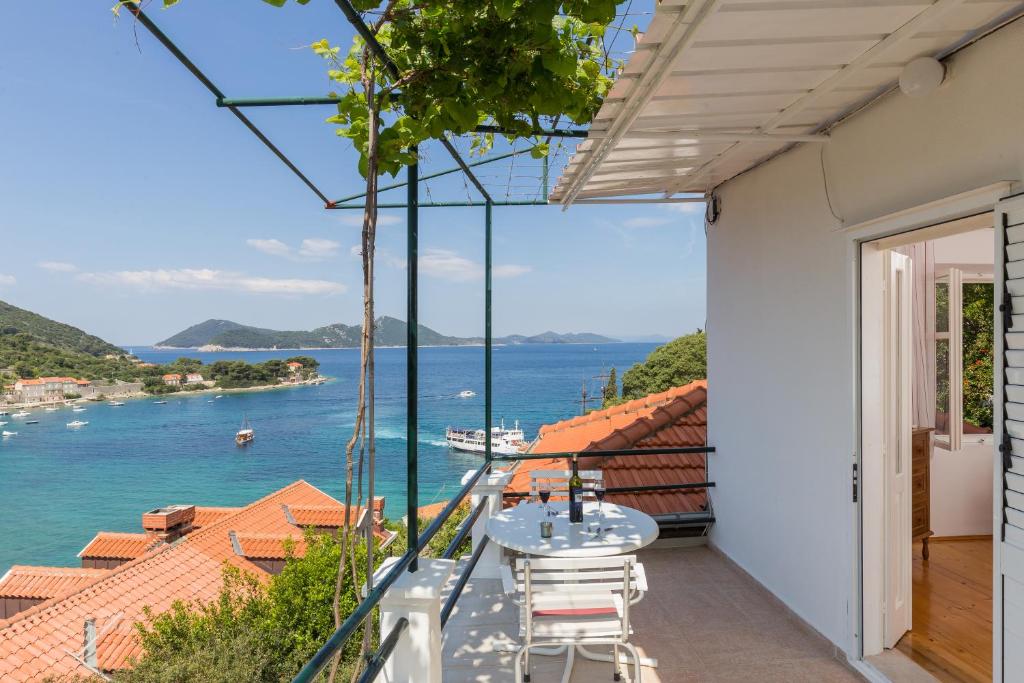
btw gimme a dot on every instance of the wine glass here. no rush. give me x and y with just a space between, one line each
545 496
599 491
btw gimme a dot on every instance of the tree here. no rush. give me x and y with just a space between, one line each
674 364
252 632
611 390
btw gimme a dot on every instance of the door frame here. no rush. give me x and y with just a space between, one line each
865 627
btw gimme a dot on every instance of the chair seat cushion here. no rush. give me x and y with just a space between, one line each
576 616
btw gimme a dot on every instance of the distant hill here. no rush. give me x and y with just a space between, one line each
390 332
14 320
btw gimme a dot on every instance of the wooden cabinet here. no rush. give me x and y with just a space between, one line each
920 488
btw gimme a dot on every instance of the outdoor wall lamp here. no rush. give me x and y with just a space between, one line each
922 76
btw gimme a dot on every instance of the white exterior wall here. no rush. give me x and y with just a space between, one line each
782 317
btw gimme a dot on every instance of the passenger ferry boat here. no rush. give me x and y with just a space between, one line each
503 441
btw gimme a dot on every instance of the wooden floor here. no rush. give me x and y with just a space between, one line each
952 634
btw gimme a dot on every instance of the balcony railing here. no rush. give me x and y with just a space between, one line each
378 659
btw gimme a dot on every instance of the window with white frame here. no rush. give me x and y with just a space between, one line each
964 342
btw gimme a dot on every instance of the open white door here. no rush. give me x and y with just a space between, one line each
897 447
1008 404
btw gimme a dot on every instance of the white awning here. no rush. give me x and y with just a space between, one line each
718 86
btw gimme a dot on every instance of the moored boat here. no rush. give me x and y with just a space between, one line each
159 403
31 422
7 433
51 409
116 403
21 413
503 441
78 410
77 423
245 433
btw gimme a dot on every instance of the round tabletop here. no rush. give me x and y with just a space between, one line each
624 530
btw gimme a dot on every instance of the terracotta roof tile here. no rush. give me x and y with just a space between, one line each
270 546
43 583
669 419
111 544
205 516
34 644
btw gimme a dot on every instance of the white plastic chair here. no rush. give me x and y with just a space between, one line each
575 601
557 481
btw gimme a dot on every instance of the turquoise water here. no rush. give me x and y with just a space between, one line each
58 486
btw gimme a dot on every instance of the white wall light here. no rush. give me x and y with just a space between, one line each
922 76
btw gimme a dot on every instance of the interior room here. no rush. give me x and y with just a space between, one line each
928 303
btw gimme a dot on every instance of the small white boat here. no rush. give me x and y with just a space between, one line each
4 412
22 413
219 396
51 410
78 410
77 423
7 433
467 393
116 403
245 433
2 423
209 400
159 403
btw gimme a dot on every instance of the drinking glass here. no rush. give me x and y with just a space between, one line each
545 496
599 492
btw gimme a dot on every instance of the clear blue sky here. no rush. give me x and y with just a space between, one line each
133 207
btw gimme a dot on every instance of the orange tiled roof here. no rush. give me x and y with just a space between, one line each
43 583
34 643
118 545
205 516
434 509
269 546
172 375
673 418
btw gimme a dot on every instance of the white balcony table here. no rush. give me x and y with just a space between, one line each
625 530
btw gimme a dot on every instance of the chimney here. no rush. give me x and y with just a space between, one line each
89 651
169 523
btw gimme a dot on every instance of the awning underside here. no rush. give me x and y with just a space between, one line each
718 86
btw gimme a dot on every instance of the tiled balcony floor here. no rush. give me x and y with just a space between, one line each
703 620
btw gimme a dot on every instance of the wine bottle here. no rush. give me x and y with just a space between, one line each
575 495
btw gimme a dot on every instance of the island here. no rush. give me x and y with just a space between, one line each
226 335
45 361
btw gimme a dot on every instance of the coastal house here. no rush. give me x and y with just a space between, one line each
79 621
193 378
47 388
836 145
172 379
294 366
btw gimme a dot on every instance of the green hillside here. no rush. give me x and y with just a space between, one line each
18 321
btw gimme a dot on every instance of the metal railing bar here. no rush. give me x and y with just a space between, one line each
467 572
377 660
467 526
430 205
604 453
630 489
327 651
429 176
137 12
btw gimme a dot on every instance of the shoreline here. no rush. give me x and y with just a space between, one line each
63 402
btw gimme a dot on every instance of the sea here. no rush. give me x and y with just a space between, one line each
60 485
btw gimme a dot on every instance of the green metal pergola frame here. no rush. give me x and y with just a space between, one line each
417 541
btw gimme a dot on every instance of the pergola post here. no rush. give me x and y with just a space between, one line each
412 358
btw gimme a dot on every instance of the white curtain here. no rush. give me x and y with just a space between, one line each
922 255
